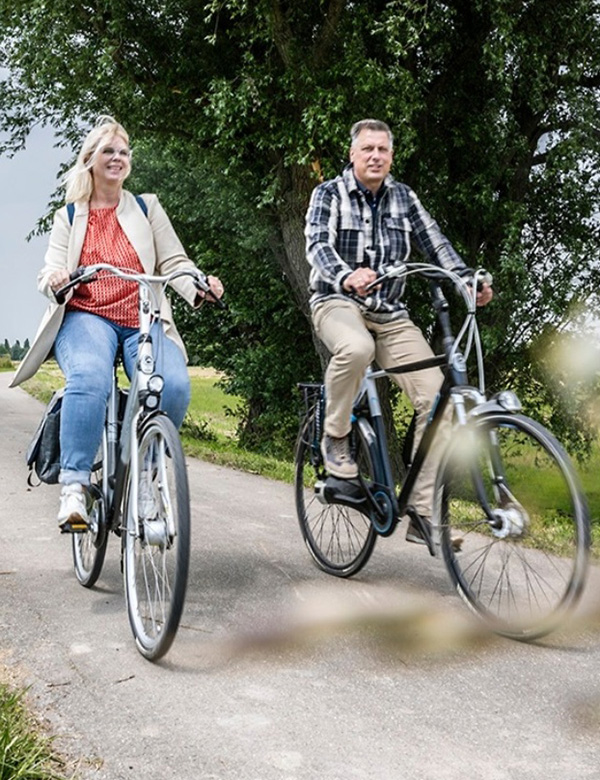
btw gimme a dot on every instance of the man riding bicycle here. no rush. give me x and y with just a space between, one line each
359 226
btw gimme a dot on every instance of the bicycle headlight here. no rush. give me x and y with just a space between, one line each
151 402
509 401
156 383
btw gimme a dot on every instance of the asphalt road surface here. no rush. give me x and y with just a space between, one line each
278 671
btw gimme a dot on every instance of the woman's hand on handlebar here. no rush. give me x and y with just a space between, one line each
216 287
213 293
62 282
58 279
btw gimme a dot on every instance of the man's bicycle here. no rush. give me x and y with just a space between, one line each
139 487
509 515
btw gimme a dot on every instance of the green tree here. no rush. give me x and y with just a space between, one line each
16 352
494 104
262 342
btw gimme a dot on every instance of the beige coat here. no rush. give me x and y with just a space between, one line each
152 237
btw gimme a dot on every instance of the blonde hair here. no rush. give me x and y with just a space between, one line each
79 180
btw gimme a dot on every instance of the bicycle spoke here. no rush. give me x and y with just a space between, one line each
157 540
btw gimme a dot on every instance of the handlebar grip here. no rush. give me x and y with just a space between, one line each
483 277
220 303
61 293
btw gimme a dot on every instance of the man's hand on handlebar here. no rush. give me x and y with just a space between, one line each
484 294
359 280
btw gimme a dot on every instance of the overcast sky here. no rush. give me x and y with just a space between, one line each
26 183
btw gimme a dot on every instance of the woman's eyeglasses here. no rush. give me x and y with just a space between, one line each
108 151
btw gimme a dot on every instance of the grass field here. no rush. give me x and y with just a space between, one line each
209 430
210 427
25 752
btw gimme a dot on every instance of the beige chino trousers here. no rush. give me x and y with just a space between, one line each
354 342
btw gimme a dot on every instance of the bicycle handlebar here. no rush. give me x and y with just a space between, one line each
87 274
468 282
436 274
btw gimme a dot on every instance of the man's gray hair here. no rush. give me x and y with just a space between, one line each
370 124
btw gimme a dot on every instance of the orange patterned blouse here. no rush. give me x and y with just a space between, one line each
109 297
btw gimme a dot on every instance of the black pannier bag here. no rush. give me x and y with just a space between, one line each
43 453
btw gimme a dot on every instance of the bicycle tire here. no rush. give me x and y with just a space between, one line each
157 545
89 549
526 574
339 538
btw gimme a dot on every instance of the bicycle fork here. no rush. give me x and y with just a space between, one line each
508 517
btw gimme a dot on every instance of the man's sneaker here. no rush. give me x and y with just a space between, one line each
72 514
337 459
415 534
147 504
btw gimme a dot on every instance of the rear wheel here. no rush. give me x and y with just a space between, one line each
508 489
339 538
157 538
89 549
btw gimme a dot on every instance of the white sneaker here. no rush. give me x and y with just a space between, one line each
147 504
72 515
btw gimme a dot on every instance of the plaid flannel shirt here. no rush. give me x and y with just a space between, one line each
341 236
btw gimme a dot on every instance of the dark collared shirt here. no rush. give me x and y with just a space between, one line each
344 232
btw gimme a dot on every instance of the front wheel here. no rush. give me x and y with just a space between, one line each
157 537
508 489
339 538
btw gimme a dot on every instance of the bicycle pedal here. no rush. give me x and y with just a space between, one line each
74 527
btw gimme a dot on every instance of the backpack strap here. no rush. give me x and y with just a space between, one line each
141 203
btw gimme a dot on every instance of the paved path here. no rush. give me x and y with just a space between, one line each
279 672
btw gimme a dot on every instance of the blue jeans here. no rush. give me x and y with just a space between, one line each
85 348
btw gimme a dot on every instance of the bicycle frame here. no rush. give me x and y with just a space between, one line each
385 505
121 449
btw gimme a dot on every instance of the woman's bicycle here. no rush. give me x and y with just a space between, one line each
139 487
509 515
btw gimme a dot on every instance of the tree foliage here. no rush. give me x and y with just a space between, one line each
494 105
16 351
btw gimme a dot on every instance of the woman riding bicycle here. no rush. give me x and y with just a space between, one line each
107 224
